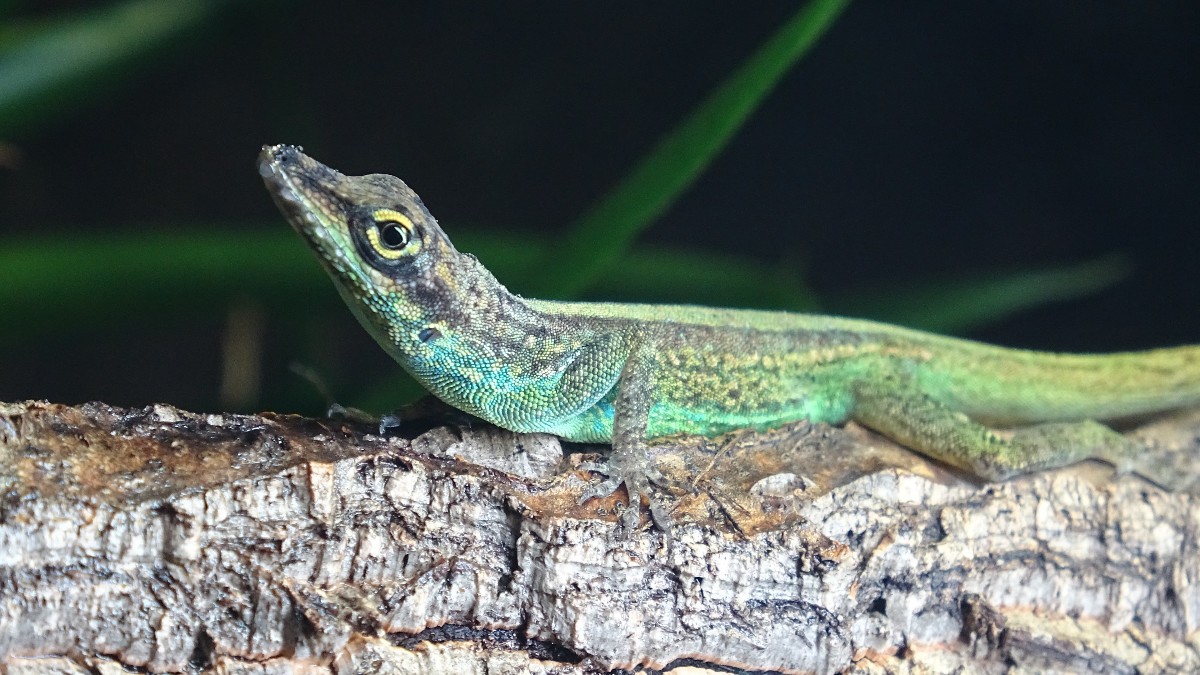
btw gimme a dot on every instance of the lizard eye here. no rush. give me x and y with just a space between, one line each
393 235
389 235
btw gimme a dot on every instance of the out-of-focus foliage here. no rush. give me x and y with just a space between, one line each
602 234
52 68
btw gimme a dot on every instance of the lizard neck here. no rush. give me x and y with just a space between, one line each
484 350
453 317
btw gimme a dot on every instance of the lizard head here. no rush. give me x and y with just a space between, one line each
392 263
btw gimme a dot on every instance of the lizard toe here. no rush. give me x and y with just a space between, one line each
602 489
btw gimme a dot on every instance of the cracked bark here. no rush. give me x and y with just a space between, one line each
172 541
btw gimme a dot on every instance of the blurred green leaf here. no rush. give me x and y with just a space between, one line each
56 283
597 241
8 7
118 274
46 66
649 274
675 276
954 306
90 282
158 273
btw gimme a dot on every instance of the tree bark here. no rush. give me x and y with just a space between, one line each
172 541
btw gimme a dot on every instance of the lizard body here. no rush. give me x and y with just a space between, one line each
625 373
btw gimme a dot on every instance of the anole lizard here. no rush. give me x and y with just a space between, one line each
626 373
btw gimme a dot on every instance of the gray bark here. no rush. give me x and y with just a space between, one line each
173 541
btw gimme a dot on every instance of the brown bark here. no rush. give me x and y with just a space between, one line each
174 541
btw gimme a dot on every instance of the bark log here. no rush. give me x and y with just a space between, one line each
171 541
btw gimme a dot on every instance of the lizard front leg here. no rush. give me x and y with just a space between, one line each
629 462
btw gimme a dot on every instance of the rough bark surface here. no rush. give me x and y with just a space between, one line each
171 541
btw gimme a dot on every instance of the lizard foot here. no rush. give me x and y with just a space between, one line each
637 473
337 411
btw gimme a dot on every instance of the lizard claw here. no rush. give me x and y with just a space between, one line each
388 421
637 474
602 489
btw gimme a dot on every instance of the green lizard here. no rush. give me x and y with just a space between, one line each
595 372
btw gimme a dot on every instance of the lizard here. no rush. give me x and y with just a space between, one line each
627 374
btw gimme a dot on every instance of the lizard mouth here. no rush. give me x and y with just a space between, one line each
302 188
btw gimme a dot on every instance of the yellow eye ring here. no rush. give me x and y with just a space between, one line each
391 235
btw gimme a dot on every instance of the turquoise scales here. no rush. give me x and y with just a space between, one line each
627 373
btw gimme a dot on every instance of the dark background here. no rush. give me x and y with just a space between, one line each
918 140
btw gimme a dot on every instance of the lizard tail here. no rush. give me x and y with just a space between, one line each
1022 387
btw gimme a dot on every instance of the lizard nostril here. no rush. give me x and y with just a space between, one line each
429 333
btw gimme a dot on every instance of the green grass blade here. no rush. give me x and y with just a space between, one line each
44 69
955 306
599 238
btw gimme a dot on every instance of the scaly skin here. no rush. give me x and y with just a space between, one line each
627 373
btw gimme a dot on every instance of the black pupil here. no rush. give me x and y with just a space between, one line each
394 236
